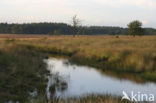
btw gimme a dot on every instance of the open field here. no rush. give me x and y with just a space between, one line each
123 54
124 57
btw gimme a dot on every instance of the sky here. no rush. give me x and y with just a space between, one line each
90 12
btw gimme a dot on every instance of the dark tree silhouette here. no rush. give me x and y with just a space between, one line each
75 24
135 28
65 29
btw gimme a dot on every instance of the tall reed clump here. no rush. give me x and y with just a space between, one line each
22 72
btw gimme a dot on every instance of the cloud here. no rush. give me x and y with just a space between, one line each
144 22
99 12
34 2
140 3
146 4
28 18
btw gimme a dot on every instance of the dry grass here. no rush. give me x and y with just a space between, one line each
138 51
124 54
85 99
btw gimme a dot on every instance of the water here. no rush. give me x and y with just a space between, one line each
83 80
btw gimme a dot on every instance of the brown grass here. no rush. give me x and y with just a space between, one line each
123 54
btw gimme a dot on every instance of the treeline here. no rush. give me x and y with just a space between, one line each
35 28
64 29
102 30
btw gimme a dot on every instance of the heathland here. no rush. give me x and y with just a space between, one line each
122 56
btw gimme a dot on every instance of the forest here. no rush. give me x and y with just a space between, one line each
64 29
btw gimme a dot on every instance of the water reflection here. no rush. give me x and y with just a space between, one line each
56 83
84 80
